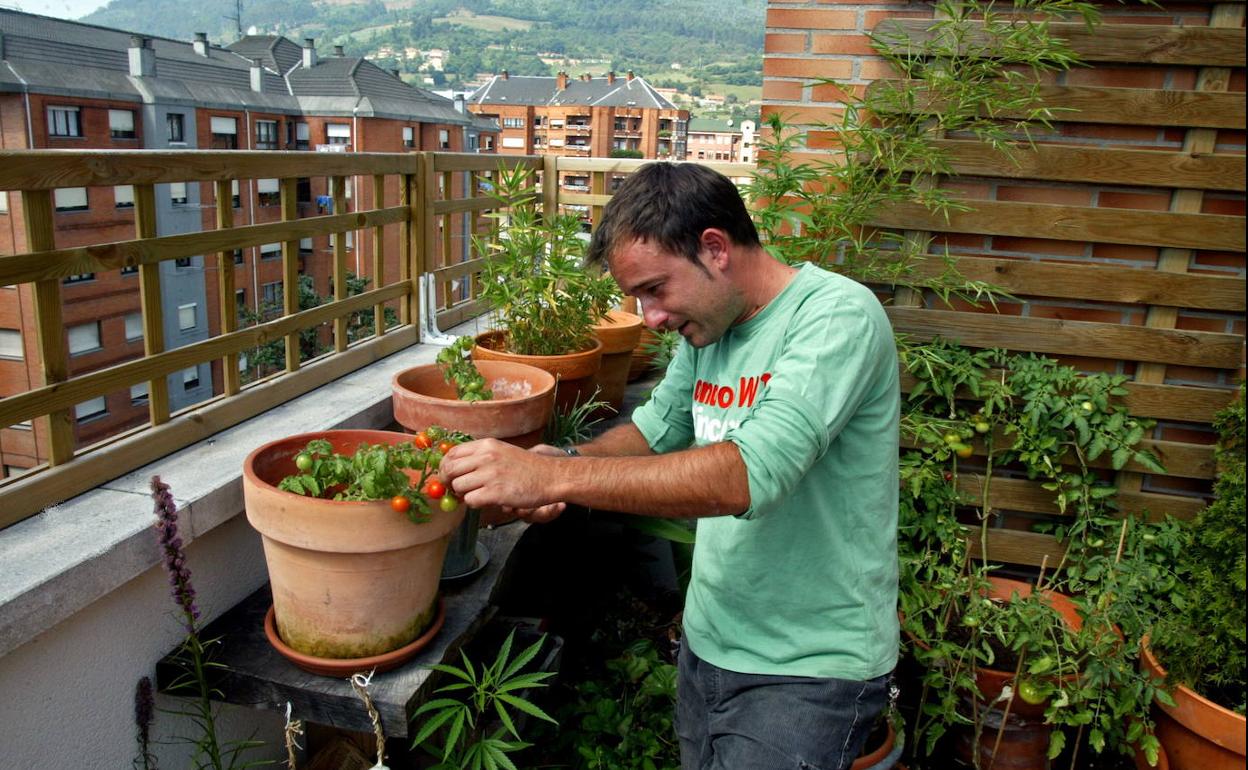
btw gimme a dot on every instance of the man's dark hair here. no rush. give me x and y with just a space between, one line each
671 204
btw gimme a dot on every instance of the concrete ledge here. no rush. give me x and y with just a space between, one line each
72 554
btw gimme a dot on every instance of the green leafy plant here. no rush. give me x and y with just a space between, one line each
1201 639
462 725
534 275
378 472
574 424
457 366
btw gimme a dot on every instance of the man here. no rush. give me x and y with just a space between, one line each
776 427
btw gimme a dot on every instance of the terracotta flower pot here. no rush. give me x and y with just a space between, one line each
619 333
873 756
1196 733
350 579
524 397
642 360
574 372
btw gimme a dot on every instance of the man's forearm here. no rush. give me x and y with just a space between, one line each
624 440
704 481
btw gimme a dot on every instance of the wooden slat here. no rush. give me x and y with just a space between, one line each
458 270
1096 165
1177 403
59 263
37 215
1073 223
31 493
1127 106
464 204
629 165
49 169
379 255
226 303
409 246
340 262
151 303
1008 546
467 161
290 270
1054 336
1126 43
583 199
464 311
1101 283
1028 496
37 401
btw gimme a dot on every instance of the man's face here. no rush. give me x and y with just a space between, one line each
698 302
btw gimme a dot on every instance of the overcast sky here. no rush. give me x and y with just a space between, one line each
62 9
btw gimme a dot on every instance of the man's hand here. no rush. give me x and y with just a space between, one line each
491 472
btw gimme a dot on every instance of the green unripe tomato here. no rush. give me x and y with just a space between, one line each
970 621
303 461
1032 693
1088 407
952 438
448 503
982 427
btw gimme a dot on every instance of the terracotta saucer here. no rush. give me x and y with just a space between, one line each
342 667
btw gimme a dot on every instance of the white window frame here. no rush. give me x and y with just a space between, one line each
71 123
11 344
71 199
88 410
188 316
270 250
190 378
121 124
84 338
134 326
409 136
178 119
444 138
338 133
177 194
138 394
123 196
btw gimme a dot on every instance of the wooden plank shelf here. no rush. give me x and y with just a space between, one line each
256 676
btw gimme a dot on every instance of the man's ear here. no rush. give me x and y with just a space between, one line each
717 246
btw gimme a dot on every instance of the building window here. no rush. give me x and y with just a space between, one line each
513 122
176 123
444 139
266 134
184 262
123 195
187 319
138 394
121 124
271 293
190 378
240 299
224 133
78 278
270 250
303 190
349 242
474 142
4 202
268 192
11 344
489 143
346 188
134 327
305 246
300 137
63 121
177 193
337 133
238 256
84 338
409 136
70 198
87 410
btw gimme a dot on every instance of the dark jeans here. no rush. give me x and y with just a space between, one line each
731 721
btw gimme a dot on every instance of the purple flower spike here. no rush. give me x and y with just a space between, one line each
173 557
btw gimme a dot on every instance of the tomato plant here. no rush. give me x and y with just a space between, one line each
455 361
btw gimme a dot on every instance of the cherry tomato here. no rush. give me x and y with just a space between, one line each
444 447
1032 693
303 461
434 488
448 503
948 476
422 440
982 427
952 438
970 621
1088 407
400 504
965 451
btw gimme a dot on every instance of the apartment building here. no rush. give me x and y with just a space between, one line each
67 85
582 117
715 139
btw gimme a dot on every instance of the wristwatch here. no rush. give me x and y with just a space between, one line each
571 451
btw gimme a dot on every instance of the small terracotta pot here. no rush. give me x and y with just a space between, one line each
574 372
350 579
619 333
873 755
1196 733
524 397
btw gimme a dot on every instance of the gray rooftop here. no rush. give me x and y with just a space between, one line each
594 92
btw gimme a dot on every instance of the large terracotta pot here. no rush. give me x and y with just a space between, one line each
619 333
573 372
524 397
349 579
1196 733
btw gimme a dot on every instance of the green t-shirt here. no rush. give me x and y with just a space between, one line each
804 582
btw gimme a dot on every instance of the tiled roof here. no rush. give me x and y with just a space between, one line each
273 51
713 125
595 92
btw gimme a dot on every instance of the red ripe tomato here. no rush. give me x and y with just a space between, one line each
448 503
434 488
400 504
444 446
422 440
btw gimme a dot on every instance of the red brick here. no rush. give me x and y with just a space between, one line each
1143 201
823 140
1038 246
782 90
807 68
811 19
1233 138
1003 308
802 115
1233 207
1065 196
1065 313
1220 259
1111 133
1117 77
1177 135
845 45
1087 363
1144 254
1183 80
954 241
1236 83
832 92
872 18
968 190
876 69
775 43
